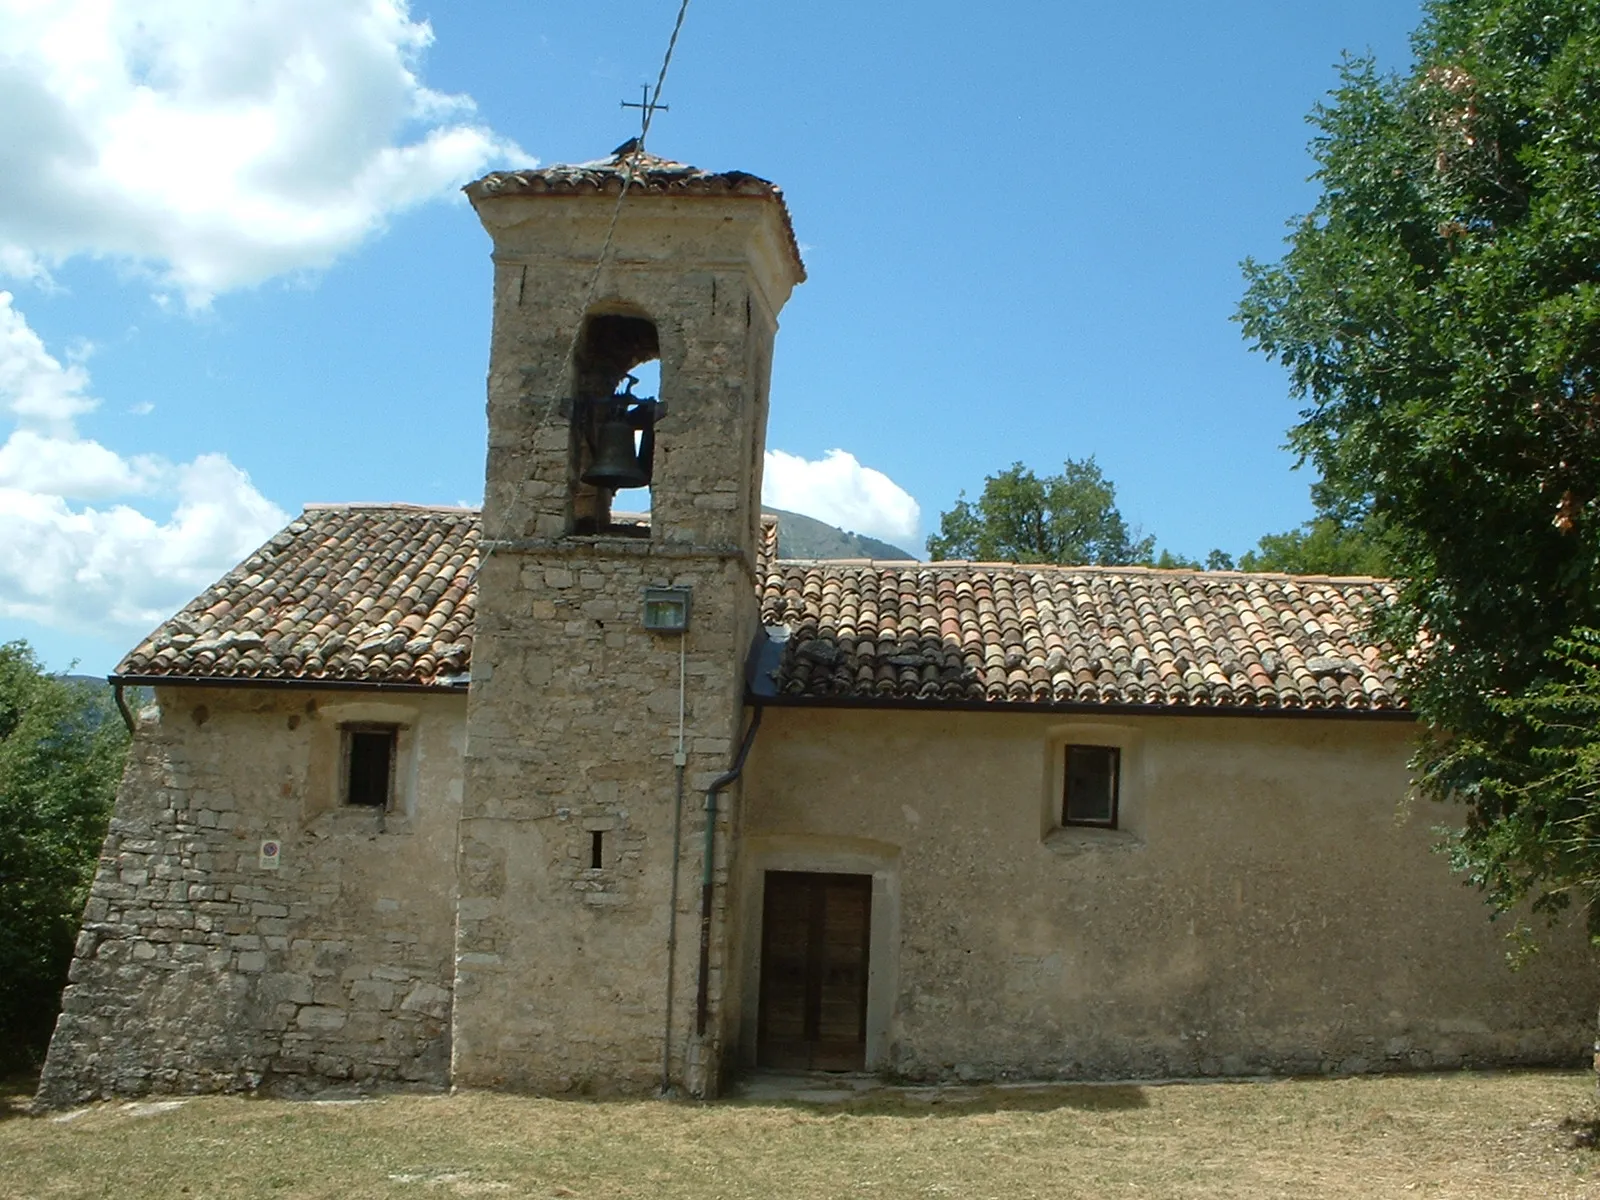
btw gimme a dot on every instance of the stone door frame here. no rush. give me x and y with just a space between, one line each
826 856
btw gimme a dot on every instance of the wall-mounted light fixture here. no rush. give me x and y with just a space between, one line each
666 610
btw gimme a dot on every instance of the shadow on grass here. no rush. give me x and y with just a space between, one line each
966 1101
1584 1132
16 1093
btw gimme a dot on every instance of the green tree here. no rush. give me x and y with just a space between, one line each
1439 313
1535 826
1324 545
1067 518
61 750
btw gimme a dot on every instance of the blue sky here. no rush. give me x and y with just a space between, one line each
241 277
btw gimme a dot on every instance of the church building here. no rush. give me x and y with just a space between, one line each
555 798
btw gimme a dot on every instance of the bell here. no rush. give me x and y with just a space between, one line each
616 465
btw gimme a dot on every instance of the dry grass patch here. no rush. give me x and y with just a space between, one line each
1502 1136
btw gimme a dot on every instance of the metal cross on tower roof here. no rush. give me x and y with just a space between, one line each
647 109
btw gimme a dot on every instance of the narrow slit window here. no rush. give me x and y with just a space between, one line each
597 850
369 766
1089 791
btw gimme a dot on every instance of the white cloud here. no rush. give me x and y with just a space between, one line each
214 145
116 571
113 570
34 387
839 490
72 467
219 143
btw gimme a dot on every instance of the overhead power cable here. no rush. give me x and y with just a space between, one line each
626 170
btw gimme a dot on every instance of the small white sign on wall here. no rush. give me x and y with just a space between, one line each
271 854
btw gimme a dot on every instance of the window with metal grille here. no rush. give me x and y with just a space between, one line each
1089 790
369 764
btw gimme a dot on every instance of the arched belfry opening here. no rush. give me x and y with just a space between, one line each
628 504
612 446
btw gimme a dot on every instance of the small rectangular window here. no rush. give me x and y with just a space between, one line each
369 764
1089 791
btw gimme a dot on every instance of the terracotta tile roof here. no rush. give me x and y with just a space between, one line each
953 633
650 174
767 546
346 593
385 594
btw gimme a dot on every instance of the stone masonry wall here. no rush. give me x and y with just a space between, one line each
701 271
197 970
561 966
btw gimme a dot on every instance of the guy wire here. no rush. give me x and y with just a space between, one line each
625 172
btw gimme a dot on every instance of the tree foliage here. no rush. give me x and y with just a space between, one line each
1072 518
1535 826
61 751
1067 518
1324 545
1439 313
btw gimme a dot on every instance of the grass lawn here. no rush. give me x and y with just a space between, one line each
1502 1136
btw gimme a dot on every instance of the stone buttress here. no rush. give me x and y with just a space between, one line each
565 863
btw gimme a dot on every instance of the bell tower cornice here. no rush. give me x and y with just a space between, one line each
646 175
673 216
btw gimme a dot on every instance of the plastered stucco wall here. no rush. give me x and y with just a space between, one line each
197 970
1270 902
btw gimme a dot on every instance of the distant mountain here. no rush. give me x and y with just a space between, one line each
98 687
133 695
807 537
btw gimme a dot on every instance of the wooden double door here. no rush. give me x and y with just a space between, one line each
816 933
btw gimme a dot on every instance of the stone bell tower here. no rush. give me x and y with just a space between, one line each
574 776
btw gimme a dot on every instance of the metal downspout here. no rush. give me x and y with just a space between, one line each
680 760
122 706
708 875
672 932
